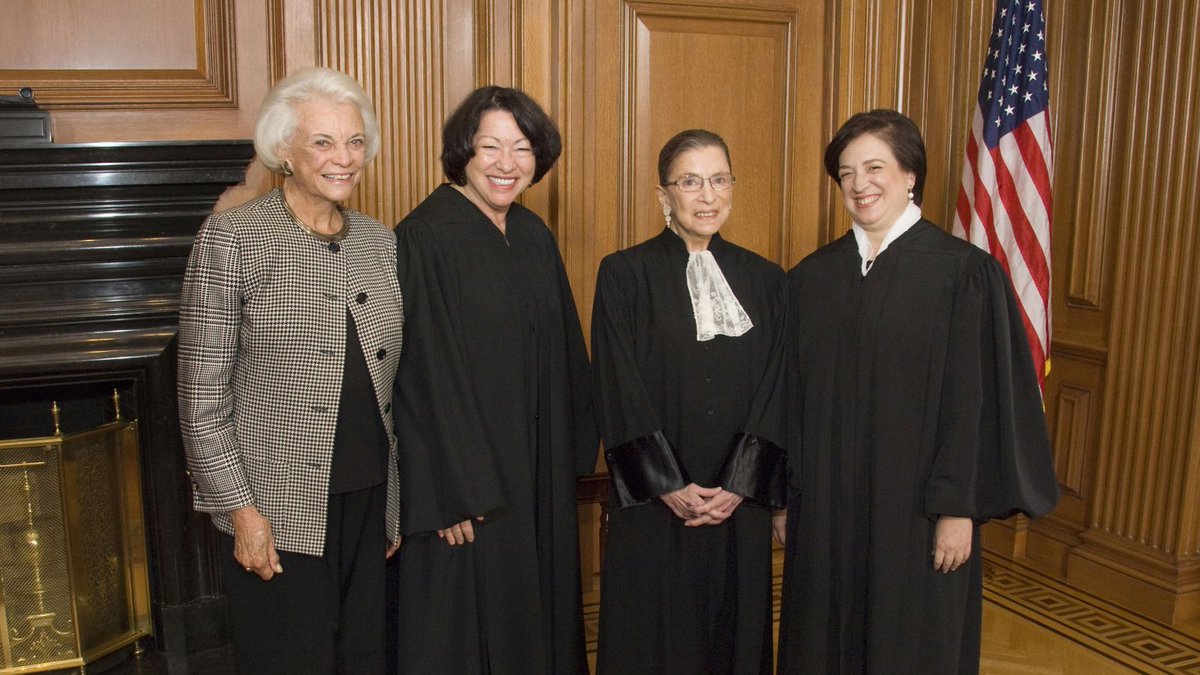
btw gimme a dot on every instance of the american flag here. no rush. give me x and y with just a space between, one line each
1004 202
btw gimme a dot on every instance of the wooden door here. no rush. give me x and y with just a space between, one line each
635 73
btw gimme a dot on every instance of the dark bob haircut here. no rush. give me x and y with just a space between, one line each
692 139
458 136
897 130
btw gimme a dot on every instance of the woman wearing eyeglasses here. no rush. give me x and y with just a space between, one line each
685 335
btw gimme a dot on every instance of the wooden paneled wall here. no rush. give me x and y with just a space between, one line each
775 77
1143 518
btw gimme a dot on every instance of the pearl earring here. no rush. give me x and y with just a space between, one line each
667 215
910 194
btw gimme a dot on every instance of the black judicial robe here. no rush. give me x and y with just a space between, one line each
673 410
913 395
493 418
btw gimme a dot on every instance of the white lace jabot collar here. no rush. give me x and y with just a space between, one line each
714 305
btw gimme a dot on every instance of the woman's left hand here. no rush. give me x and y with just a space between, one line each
951 542
715 510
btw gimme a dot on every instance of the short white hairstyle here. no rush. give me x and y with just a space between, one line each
277 119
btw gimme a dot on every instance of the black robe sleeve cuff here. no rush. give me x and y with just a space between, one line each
757 470
644 469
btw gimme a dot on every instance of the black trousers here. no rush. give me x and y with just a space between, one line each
322 614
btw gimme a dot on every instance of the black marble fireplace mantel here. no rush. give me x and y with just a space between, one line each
93 243
93 240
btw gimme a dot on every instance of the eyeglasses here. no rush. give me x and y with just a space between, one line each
690 182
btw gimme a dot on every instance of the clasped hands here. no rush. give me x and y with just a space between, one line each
698 506
693 504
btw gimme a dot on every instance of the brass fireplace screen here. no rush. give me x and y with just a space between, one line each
73 576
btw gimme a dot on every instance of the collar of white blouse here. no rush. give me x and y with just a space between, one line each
912 213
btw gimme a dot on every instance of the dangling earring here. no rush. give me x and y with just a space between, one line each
667 216
287 168
910 194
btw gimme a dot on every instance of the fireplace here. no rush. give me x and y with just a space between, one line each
93 243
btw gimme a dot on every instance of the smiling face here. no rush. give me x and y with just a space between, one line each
697 216
874 185
502 167
326 154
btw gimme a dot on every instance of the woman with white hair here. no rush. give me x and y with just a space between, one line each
290 332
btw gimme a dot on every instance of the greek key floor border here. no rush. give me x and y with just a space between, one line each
1134 641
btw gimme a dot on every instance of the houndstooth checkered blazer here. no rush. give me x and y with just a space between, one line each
262 345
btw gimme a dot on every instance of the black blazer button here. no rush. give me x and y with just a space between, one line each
361 298
333 246
380 354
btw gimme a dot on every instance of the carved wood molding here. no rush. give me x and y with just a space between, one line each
869 48
588 133
946 46
213 84
276 42
486 32
1149 460
1075 411
1152 583
874 58
1160 568
396 52
1084 45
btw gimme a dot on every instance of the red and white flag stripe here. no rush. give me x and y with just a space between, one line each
1004 207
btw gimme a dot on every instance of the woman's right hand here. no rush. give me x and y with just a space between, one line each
952 543
253 543
459 533
684 501
779 526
